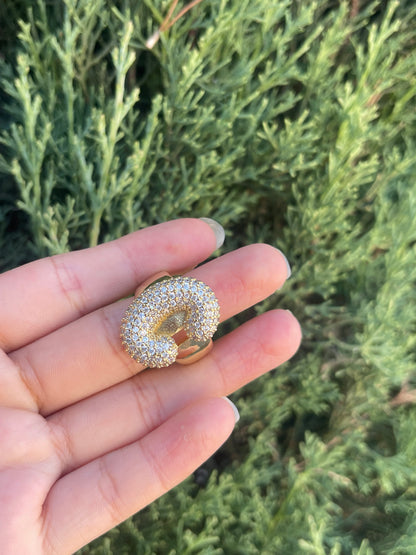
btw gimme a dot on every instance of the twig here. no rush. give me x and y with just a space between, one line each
165 22
405 396
168 22
355 8
182 12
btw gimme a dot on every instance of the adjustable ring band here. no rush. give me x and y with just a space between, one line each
171 319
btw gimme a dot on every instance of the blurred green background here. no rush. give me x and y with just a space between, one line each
290 122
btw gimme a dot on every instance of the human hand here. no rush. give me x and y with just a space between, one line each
87 439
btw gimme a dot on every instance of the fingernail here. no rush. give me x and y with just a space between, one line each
235 409
289 269
217 229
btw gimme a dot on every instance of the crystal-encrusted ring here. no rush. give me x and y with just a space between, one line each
171 319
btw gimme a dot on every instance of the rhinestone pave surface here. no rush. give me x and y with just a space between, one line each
160 311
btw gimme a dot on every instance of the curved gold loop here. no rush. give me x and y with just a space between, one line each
171 319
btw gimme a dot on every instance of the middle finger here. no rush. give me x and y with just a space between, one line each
86 356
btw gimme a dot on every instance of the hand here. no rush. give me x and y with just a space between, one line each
87 439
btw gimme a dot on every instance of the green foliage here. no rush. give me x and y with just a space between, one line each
292 123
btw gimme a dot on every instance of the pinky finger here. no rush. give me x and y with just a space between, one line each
96 497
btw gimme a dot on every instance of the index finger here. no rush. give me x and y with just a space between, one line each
42 296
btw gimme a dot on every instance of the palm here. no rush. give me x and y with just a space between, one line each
88 439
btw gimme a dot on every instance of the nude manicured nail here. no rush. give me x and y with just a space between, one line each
289 269
217 229
235 409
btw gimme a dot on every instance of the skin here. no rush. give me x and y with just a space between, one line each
87 437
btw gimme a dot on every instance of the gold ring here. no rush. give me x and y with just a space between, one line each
171 319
